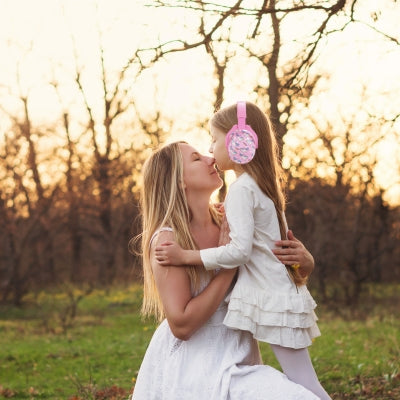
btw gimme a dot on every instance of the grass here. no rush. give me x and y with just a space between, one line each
46 354
357 359
103 347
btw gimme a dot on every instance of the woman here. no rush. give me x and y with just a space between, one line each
192 355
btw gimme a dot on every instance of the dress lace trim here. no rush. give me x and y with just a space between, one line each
163 229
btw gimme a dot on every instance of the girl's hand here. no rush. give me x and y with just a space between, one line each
292 252
169 253
219 207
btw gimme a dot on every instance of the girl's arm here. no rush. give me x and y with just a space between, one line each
170 253
186 314
239 211
239 208
236 252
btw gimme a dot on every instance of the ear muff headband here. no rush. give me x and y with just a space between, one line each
241 141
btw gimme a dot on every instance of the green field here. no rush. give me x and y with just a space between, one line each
46 352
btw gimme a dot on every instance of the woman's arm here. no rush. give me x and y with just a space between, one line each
186 314
292 251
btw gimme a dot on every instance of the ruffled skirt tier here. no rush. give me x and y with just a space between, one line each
285 319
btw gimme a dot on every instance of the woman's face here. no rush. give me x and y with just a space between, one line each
199 173
219 150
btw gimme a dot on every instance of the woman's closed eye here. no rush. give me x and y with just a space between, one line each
196 156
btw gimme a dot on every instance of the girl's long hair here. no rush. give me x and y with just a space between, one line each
164 204
265 168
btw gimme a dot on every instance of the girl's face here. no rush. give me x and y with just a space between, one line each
219 150
199 173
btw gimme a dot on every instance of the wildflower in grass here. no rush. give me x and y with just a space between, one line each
32 391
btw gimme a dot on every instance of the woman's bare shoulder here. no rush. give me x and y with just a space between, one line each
167 275
160 236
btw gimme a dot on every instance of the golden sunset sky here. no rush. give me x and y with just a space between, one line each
37 40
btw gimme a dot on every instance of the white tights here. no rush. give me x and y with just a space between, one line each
297 366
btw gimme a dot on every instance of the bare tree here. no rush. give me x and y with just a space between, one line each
345 218
285 82
79 224
26 201
80 220
73 194
106 153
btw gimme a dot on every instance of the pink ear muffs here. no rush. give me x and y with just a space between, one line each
241 141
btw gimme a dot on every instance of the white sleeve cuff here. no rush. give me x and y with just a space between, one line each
208 258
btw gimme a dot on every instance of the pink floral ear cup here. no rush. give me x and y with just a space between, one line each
241 146
241 141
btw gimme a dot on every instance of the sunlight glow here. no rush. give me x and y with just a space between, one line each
43 41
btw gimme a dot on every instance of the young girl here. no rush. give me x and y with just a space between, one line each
269 299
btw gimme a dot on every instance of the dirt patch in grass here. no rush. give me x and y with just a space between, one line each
376 388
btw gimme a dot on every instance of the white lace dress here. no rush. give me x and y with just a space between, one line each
216 363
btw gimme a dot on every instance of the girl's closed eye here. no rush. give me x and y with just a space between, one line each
212 144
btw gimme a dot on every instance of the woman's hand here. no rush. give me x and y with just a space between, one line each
224 232
292 252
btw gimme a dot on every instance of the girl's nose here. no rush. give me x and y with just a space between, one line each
211 150
210 160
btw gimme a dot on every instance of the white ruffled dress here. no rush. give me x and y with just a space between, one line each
216 363
264 301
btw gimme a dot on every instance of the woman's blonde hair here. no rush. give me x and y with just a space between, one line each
265 168
164 204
